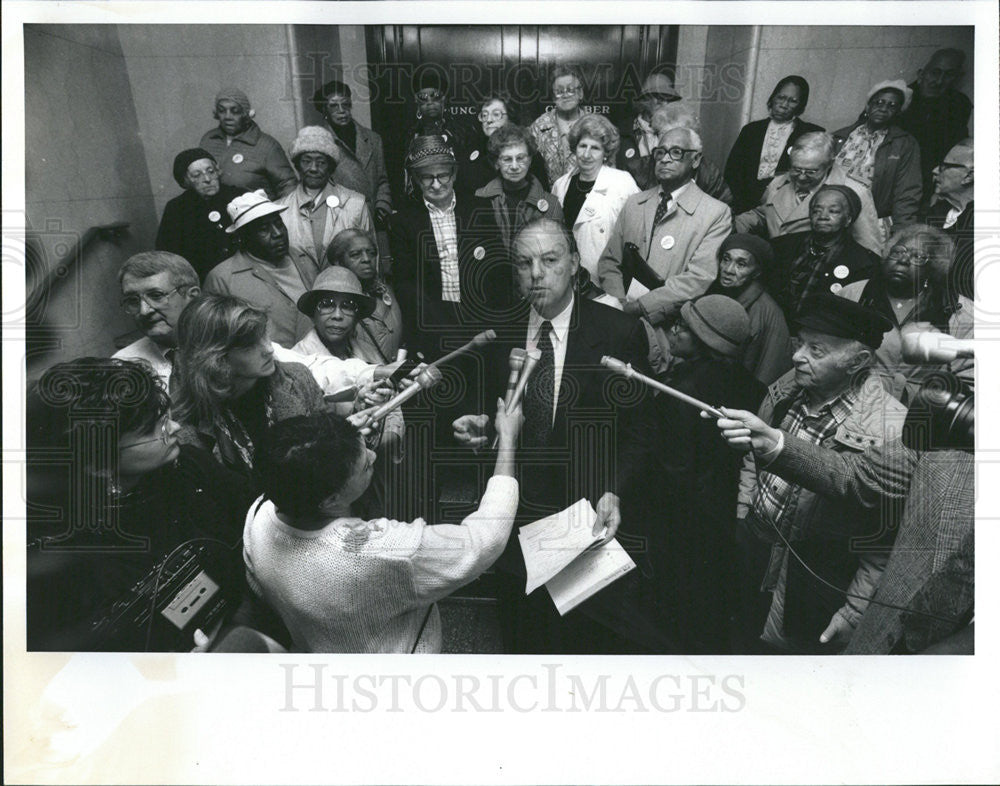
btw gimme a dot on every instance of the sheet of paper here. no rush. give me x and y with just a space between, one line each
550 544
589 573
636 290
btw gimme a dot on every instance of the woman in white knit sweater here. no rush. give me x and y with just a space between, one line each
341 584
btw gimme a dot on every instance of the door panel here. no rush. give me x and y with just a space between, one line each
517 59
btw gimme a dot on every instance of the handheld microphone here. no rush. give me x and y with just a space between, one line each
532 356
426 379
477 341
931 346
516 361
626 369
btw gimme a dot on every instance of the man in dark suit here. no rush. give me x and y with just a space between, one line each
579 427
450 270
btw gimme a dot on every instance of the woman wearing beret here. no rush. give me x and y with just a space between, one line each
247 157
879 154
319 209
825 258
761 150
194 224
742 258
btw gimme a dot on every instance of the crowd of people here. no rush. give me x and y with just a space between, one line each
266 418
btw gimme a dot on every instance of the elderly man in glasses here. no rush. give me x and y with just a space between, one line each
784 208
155 287
451 273
663 249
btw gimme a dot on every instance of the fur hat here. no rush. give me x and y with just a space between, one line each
314 139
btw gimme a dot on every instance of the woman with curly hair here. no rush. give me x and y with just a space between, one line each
230 387
593 192
134 495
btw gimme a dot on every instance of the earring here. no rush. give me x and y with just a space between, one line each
420 115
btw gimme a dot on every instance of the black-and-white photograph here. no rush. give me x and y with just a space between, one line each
348 335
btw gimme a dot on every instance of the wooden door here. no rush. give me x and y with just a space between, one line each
477 60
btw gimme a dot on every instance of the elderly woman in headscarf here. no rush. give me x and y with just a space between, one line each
879 154
824 258
247 157
767 354
911 289
319 209
380 333
194 224
761 150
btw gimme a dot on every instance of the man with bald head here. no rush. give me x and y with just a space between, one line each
951 209
676 229
938 115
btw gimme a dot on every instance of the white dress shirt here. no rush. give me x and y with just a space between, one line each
560 337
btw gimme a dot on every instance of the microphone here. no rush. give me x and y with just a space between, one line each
426 379
931 346
625 369
477 341
516 361
532 356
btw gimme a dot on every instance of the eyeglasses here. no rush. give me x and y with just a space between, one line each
429 96
444 178
328 305
132 304
885 103
679 326
496 114
344 103
564 92
514 160
207 174
163 435
675 153
803 172
908 255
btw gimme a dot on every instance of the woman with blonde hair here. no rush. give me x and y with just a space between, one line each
230 387
593 192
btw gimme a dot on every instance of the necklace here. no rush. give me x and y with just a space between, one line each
578 185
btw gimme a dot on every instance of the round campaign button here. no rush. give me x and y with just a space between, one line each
473 155
630 153
238 158
214 216
444 137
667 243
479 252
332 201
836 287
841 271
543 205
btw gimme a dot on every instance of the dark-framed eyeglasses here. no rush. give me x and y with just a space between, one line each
674 153
155 298
496 114
163 434
564 92
207 174
908 255
444 178
329 305
795 170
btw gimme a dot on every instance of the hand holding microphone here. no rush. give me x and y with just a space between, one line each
526 360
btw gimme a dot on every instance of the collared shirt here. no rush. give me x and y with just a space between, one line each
775 140
857 156
147 349
560 338
446 238
775 496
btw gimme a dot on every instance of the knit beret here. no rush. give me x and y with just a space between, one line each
719 321
853 200
429 151
833 315
185 158
757 246
313 139
235 95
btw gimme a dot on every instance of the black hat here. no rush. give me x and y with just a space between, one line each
185 158
833 315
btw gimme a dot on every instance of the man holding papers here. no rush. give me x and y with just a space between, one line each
578 424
